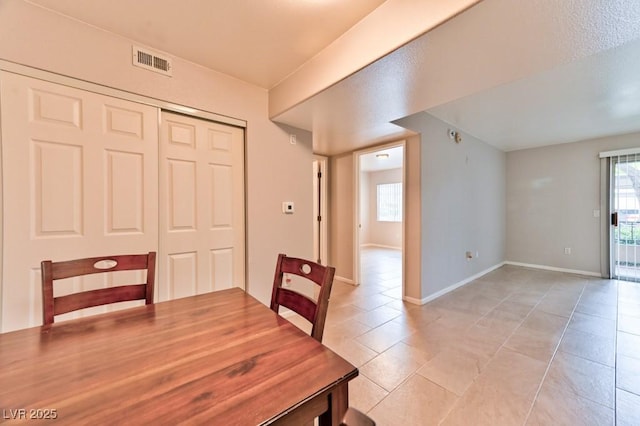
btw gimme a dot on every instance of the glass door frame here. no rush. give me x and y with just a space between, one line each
619 215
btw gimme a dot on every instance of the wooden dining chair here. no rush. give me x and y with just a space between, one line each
52 271
313 311
354 417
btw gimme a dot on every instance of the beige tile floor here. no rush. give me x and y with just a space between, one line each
515 347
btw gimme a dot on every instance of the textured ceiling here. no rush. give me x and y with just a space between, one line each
594 97
541 73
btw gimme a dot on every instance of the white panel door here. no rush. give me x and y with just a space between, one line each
79 179
201 206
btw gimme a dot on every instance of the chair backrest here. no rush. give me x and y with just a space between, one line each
313 311
52 271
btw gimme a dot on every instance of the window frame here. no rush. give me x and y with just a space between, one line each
391 211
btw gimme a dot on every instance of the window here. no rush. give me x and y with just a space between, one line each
390 202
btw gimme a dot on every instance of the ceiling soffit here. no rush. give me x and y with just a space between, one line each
462 57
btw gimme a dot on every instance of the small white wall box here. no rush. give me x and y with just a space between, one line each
288 207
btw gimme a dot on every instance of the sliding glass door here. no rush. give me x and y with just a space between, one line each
625 217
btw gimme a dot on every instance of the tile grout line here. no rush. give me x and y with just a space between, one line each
377 353
475 323
380 353
557 348
514 332
544 376
406 379
501 346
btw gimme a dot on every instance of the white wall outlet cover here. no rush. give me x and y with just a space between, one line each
288 207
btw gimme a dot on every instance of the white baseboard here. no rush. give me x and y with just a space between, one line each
380 246
451 287
486 271
344 280
553 268
413 300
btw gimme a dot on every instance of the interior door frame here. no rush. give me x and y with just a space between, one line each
320 233
356 208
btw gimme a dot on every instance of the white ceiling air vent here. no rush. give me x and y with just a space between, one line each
145 58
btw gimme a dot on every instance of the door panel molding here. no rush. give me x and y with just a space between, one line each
202 173
70 188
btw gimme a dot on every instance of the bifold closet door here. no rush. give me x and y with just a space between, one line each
79 179
201 206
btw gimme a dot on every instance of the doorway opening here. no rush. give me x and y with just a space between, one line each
379 215
625 217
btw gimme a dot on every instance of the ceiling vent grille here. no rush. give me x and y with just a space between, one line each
145 58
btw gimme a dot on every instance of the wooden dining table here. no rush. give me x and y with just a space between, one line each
220 358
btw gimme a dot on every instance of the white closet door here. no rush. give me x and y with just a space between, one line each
202 206
79 179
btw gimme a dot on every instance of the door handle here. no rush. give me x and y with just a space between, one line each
614 219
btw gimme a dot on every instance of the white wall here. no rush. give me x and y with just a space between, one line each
365 207
341 211
276 170
413 219
388 234
463 205
551 195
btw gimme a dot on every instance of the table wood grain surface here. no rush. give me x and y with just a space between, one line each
216 358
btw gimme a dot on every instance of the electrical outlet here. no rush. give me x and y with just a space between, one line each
567 250
469 255
288 207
